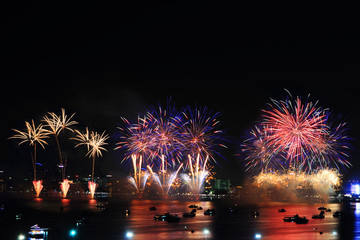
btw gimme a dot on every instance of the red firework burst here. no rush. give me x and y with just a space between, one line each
295 128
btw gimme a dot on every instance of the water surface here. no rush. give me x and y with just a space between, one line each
113 223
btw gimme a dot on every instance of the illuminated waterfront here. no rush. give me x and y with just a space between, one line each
113 222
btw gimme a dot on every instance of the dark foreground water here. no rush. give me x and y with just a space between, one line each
113 223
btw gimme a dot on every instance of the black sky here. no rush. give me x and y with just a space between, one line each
105 61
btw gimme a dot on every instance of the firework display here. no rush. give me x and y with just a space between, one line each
56 124
297 144
260 155
298 136
33 135
195 178
201 134
64 186
38 186
94 143
294 185
165 141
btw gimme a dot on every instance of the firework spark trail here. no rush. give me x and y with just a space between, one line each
92 188
140 177
195 178
260 155
172 178
312 146
64 185
295 129
332 153
169 179
201 134
155 176
165 122
37 186
150 139
137 138
57 123
94 143
167 145
163 136
33 135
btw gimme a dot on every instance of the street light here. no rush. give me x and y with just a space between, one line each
73 233
206 232
129 234
21 237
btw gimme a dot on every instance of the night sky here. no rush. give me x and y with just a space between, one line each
108 61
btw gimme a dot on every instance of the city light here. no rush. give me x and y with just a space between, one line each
73 232
355 189
129 234
21 237
258 236
206 231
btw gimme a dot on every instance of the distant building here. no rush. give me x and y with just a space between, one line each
352 190
352 187
222 186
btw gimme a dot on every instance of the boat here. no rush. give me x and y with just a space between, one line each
301 220
209 212
322 208
152 208
190 214
172 218
37 232
319 216
199 208
167 217
328 210
291 218
281 210
193 206
296 218
337 214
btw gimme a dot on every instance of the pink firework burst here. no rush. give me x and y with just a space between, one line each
295 128
259 154
137 138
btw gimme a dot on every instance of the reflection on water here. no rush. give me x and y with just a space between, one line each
112 222
271 226
142 223
92 203
268 225
357 221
